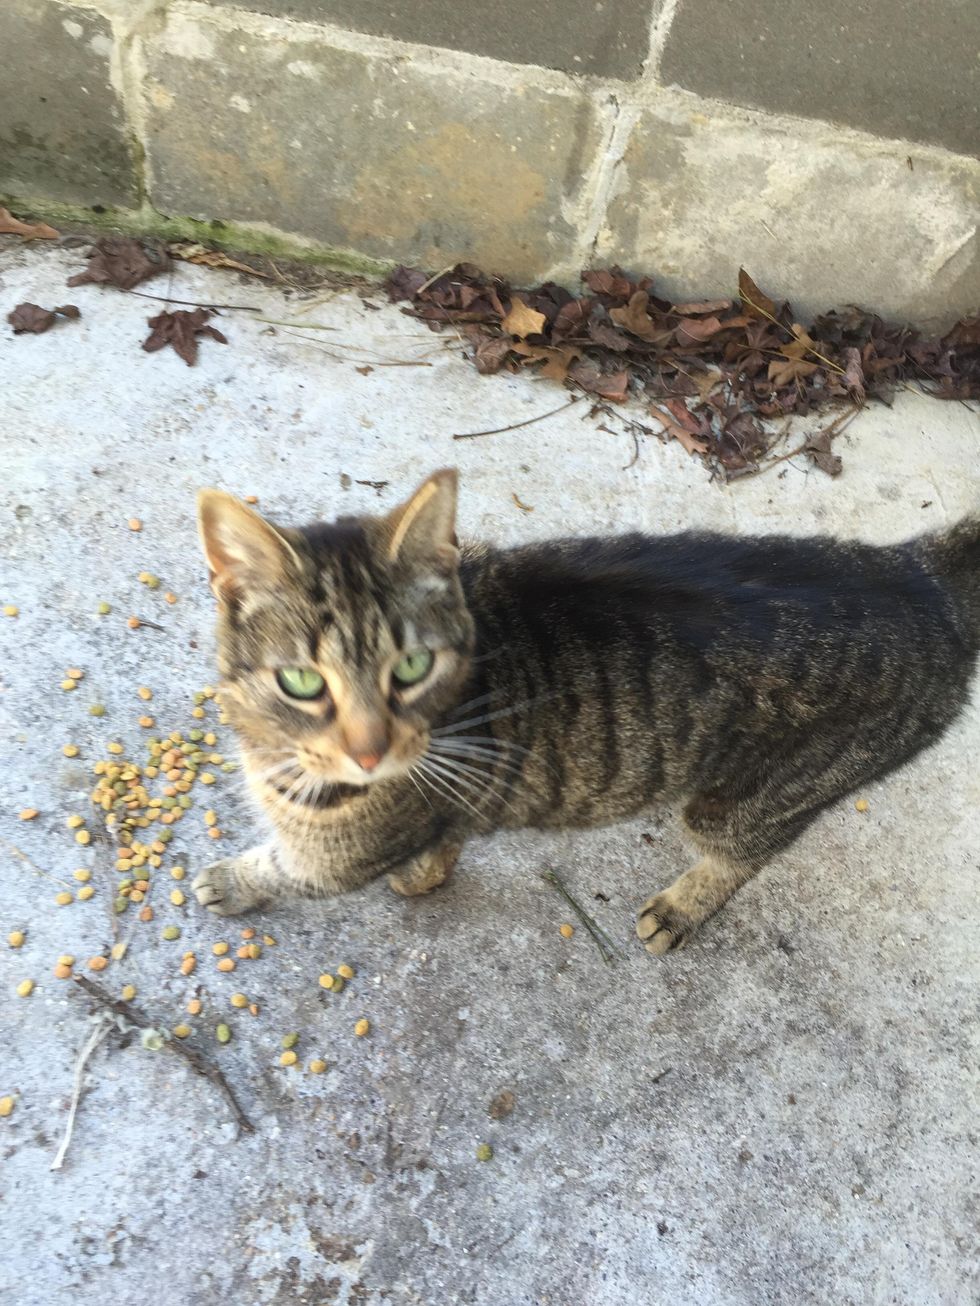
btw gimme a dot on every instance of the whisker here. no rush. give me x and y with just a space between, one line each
495 760
434 778
462 772
492 716
414 780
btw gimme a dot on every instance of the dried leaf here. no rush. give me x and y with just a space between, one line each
634 317
522 321
702 306
608 282
613 386
210 258
11 226
818 449
31 318
121 261
69 310
502 1105
404 283
491 353
854 372
691 442
692 330
605 334
754 302
180 329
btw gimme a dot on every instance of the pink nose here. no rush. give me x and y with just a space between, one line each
367 761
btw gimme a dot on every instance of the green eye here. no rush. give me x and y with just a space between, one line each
413 667
300 682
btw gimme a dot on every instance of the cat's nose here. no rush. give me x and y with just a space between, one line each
367 761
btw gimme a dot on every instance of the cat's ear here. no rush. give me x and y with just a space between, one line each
422 532
244 553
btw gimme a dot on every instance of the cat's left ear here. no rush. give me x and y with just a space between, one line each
422 532
244 552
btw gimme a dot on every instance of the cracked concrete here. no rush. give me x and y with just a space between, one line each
785 1112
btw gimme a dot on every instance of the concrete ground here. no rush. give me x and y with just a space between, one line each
783 1113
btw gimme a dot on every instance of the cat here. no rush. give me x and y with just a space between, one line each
395 694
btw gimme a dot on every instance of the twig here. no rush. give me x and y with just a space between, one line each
607 949
152 624
193 1058
38 870
102 1028
809 348
340 358
835 428
516 426
194 303
433 279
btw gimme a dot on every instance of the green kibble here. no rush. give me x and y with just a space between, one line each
120 905
290 1040
165 835
199 698
195 736
223 1034
229 766
153 582
104 609
338 985
127 883
185 801
484 1152
168 804
97 709
171 932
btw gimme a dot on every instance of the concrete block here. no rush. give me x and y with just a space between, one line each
62 128
894 67
363 152
814 217
607 39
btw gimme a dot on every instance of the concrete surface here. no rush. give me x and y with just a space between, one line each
834 158
783 1113
889 67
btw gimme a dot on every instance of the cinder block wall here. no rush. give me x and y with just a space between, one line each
831 147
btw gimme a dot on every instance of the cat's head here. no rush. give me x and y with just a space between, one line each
338 644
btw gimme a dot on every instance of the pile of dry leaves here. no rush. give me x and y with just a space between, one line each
710 372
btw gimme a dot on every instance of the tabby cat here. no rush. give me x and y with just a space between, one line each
395 693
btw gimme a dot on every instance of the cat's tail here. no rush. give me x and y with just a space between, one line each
955 556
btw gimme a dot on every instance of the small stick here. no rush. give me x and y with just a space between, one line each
37 869
193 1058
607 949
516 426
432 280
194 303
95 1038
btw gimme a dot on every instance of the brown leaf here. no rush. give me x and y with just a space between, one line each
556 361
404 283
605 282
692 330
702 306
613 386
11 226
754 302
785 373
210 258
491 353
69 310
679 431
180 329
854 372
604 333
502 1105
570 318
121 261
31 318
522 321
634 318
818 448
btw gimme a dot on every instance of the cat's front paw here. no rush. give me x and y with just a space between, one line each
662 926
225 889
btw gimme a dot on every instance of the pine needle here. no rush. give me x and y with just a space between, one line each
607 949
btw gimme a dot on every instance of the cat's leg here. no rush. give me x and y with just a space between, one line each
427 871
239 884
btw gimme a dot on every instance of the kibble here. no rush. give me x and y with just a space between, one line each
85 893
189 964
16 938
145 693
70 750
128 992
68 684
171 932
98 963
484 1152
862 805
25 988
566 931
317 1067
177 872
135 524
61 971
345 972
63 898
118 950
104 609
362 1027
11 610
27 813
223 1034
326 981
82 875
73 822
220 948
6 1106
96 709
227 964
83 837
194 1006
170 598
238 1000
133 623
290 1040
177 898
288 1058
182 1031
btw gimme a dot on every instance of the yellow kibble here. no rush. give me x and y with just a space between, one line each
73 822
197 713
135 524
85 892
317 1067
227 963
210 739
177 898
210 817
145 693
70 750
136 895
114 748
254 951
861 805
98 963
194 1007
219 949
206 778
268 940
118 951
63 898
68 683
362 1027
346 972
128 992
327 981
208 691
181 1031
83 837
16 938
25 988
177 872
566 931
238 1000
11 610
6 1103
82 875
27 813
288 1058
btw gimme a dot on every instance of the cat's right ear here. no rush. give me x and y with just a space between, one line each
244 552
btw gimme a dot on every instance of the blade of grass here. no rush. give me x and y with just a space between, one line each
607 949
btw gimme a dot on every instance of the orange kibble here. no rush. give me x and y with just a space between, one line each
145 693
227 963
146 722
251 498
188 965
142 885
170 598
74 673
28 813
135 524
214 833
61 971
133 623
220 948
566 931
242 951
194 1007
254 951
98 963
248 933
253 1008
146 913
